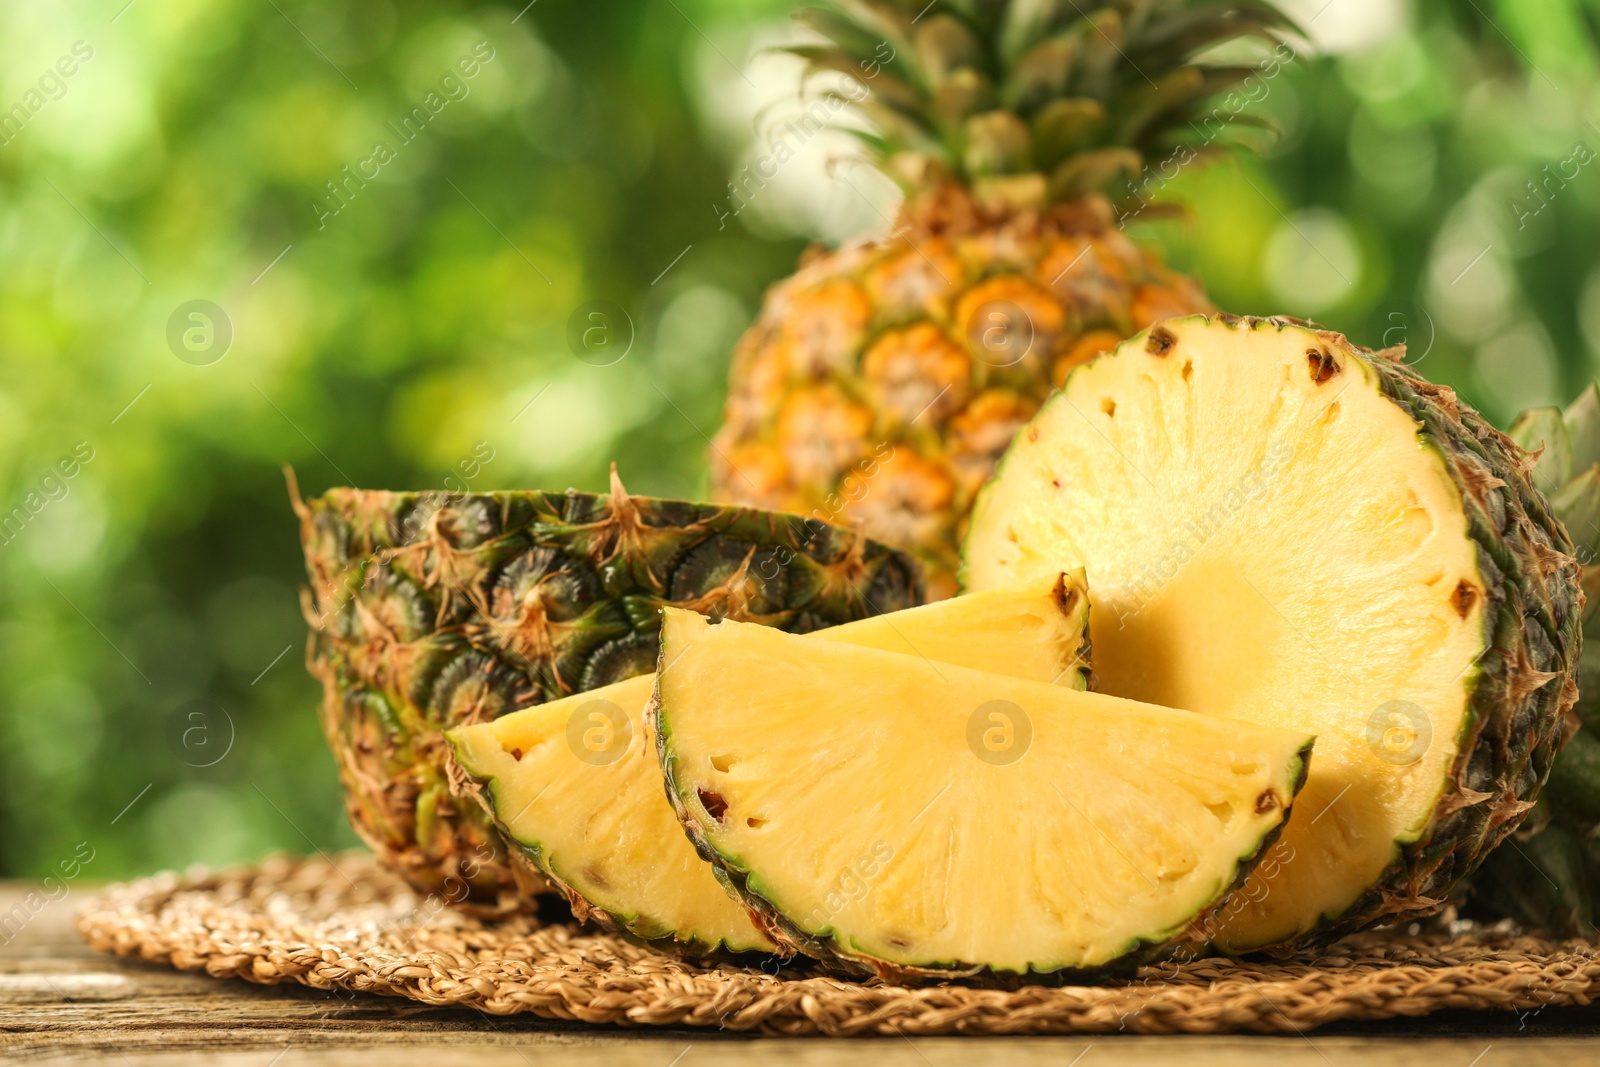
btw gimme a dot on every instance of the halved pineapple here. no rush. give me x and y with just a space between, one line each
902 816
576 783
1281 528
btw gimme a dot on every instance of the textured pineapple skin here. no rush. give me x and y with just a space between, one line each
1548 879
434 610
835 405
1520 711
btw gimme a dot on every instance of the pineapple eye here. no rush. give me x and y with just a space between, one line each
1160 342
715 805
1322 365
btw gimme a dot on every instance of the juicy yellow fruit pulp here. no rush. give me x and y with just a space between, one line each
1266 539
577 779
927 816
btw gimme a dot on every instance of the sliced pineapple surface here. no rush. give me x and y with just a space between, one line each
909 816
577 785
1269 538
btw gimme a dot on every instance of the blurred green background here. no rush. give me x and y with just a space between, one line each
152 698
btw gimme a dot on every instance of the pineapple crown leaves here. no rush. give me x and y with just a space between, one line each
1565 446
1073 92
1567 468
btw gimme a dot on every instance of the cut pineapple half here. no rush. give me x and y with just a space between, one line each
1284 529
903 816
577 785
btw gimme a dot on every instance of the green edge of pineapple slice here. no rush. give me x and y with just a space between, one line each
576 786
901 817
1283 528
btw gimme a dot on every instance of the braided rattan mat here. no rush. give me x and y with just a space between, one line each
346 923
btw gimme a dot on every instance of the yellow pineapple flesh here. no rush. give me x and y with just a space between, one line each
898 816
575 784
1282 528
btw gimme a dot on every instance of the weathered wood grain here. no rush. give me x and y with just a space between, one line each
61 1002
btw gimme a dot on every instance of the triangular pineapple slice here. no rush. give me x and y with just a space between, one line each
910 817
576 783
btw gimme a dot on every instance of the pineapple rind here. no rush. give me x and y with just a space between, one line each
403 593
1520 711
1520 706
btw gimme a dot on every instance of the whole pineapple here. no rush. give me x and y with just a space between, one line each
435 610
1547 875
883 381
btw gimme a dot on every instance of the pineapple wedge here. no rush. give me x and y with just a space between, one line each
575 783
903 817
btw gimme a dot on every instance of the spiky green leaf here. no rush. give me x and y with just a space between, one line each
948 71
961 96
998 142
1544 431
1583 427
1043 74
1577 504
946 45
1066 126
1185 33
1094 170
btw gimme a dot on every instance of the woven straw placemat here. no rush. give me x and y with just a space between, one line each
344 922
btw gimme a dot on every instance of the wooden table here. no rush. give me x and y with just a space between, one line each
61 1002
